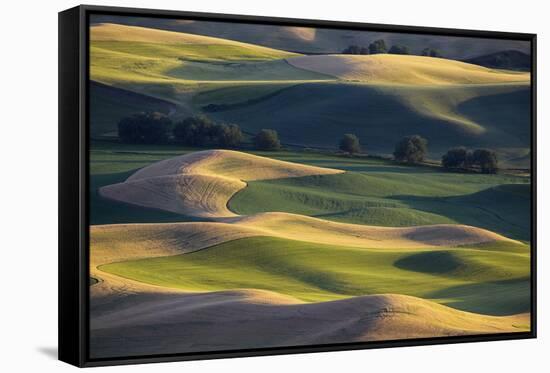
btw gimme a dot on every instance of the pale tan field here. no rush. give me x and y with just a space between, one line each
400 69
200 184
150 323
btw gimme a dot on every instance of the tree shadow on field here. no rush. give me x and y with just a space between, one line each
50 351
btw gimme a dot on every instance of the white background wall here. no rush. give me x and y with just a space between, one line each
28 184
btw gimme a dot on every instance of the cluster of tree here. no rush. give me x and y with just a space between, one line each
411 149
431 52
399 49
376 47
199 130
379 46
157 128
462 158
145 128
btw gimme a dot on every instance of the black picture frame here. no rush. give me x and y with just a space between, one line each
74 185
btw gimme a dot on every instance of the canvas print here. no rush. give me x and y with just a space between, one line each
258 186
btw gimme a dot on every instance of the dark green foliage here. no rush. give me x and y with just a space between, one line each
510 60
194 131
431 52
267 139
486 160
355 49
201 131
378 46
228 135
145 128
411 149
399 49
459 157
350 144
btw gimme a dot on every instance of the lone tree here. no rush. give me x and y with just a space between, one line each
459 157
377 47
411 149
399 49
267 139
145 128
350 144
228 135
431 52
486 160
194 131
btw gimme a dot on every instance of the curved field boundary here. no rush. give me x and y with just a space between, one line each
200 184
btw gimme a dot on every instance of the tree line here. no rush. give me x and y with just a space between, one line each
379 47
414 149
199 130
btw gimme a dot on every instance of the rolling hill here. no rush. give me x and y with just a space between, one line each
403 69
310 40
110 104
300 247
315 272
317 114
509 60
267 319
449 102
200 184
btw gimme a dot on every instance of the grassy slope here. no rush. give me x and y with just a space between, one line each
193 71
404 69
317 114
381 193
108 105
314 272
375 192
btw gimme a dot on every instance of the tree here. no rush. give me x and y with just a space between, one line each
350 144
399 49
228 135
431 52
194 131
267 139
459 157
486 160
378 46
145 128
412 149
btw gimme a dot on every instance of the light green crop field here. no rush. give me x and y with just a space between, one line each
315 272
498 203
